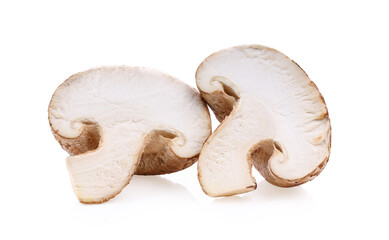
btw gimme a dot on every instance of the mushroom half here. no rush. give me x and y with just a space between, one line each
273 116
117 121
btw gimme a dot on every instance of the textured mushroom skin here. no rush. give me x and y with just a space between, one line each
222 104
157 157
259 155
88 140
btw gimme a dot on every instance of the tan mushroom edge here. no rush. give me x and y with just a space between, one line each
222 104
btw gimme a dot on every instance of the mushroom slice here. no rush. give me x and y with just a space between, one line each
273 116
111 118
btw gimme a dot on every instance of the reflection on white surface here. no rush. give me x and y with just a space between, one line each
148 188
144 198
266 203
267 192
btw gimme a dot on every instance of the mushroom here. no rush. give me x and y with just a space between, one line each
111 119
273 117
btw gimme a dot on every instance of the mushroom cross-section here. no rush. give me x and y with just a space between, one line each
273 116
110 119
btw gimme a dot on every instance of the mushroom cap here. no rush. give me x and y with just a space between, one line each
111 118
273 116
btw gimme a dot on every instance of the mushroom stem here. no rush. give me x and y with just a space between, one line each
94 174
228 154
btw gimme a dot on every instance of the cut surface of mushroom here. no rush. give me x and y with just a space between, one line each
273 117
112 119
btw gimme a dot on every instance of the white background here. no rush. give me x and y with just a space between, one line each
343 46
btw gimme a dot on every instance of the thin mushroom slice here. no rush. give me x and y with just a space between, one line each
111 118
273 117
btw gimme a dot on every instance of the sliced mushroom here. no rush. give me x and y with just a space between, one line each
273 116
111 118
